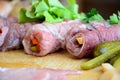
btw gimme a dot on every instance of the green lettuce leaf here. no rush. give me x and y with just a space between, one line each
23 18
49 11
92 15
115 18
55 3
42 6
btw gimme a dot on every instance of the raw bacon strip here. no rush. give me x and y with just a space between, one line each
93 35
35 74
50 37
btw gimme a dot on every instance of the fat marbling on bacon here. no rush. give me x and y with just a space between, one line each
97 33
50 36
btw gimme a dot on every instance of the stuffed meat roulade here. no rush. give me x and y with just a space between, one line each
81 43
12 33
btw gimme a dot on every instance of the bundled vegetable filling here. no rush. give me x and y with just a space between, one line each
35 47
79 40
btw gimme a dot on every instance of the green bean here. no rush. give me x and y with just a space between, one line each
117 62
113 59
101 59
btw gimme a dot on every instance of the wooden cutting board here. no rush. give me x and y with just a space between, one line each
58 60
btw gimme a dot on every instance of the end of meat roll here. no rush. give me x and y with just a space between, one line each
39 42
81 44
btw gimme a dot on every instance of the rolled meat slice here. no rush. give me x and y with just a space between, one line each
3 33
45 38
12 38
12 33
81 43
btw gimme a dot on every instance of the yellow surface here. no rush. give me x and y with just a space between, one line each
58 60
87 75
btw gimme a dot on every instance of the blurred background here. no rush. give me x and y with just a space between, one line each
105 7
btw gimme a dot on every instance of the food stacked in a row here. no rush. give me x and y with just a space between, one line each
42 38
